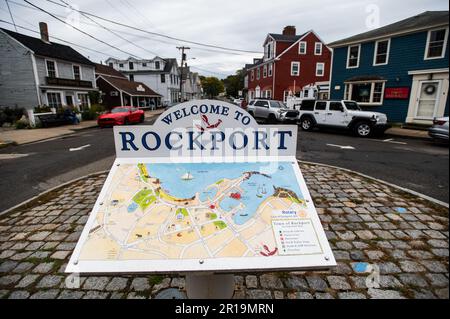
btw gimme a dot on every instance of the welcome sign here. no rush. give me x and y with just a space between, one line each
205 129
205 188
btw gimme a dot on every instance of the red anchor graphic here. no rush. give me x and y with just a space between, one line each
268 252
208 125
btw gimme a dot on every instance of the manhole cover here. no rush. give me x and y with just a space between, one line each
171 293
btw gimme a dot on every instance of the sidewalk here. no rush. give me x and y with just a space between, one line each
368 224
408 133
12 136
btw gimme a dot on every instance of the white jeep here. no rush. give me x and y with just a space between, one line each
342 114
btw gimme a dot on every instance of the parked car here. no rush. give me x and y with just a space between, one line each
121 115
439 130
271 111
342 114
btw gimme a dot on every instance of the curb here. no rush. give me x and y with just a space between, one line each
406 190
24 203
423 138
423 196
74 131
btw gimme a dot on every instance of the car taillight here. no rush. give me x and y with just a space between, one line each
439 122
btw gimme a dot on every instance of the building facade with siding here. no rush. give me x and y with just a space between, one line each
36 72
290 63
161 75
400 69
117 90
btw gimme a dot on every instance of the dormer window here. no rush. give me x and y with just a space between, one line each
131 65
120 65
144 64
157 66
110 64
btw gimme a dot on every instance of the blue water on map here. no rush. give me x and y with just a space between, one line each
206 174
132 207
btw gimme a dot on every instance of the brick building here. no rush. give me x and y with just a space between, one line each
290 62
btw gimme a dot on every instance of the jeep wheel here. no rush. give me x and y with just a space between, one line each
363 129
306 124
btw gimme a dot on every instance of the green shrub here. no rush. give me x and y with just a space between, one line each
93 112
10 115
42 109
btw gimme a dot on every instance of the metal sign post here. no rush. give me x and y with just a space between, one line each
205 191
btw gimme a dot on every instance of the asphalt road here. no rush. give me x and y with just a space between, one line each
27 170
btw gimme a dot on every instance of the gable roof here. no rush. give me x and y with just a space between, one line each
51 49
421 21
107 70
129 87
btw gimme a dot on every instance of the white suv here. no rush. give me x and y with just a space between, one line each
271 111
341 114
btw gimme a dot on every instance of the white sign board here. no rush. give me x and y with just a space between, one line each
205 188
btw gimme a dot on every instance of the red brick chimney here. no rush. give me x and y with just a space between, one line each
44 31
289 30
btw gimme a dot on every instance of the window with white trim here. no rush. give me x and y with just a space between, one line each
83 99
267 94
295 68
54 99
381 54
302 47
270 69
353 56
265 71
51 68
76 72
369 93
436 43
320 69
258 73
318 48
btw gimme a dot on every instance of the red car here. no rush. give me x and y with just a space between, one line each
121 115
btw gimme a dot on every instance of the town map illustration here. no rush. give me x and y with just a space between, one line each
205 210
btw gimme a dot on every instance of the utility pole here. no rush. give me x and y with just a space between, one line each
183 59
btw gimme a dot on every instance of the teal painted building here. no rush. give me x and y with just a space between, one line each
400 69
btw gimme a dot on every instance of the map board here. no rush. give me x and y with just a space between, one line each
203 202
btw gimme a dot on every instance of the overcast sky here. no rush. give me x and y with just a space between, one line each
236 24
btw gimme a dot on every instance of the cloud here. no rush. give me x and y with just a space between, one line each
241 24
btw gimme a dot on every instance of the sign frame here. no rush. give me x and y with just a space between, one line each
322 260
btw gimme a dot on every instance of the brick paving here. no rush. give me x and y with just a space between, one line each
369 226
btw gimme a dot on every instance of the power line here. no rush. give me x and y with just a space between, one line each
207 71
10 13
59 39
133 34
79 30
156 33
109 30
